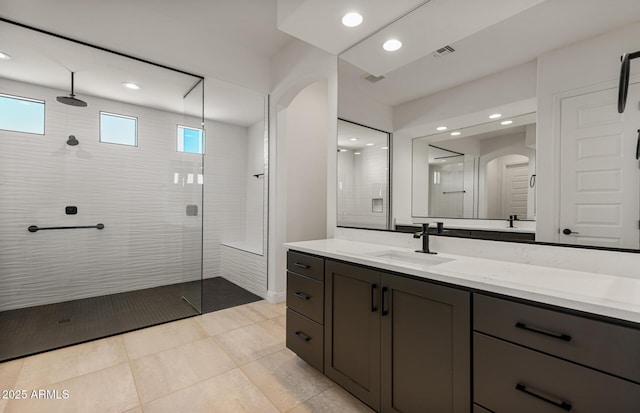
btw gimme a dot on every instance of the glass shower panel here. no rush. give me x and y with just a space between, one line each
96 236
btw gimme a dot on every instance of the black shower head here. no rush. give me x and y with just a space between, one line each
71 99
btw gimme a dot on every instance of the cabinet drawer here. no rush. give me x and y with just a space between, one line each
509 378
305 338
306 265
604 346
306 296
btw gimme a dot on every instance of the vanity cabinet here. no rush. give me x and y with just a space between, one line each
533 359
305 307
398 344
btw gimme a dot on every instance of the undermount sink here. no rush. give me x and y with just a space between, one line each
410 257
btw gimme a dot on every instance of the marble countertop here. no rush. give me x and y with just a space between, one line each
607 295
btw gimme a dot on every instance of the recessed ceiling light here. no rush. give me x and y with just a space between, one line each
131 85
385 147
441 128
455 133
356 153
370 144
343 150
506 122
495 116
392 45
353 139
352 19
5 56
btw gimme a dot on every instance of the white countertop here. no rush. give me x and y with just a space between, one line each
607 295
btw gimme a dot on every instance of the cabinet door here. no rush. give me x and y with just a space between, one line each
426 347
352 330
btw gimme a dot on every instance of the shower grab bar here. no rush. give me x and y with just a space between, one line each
35 228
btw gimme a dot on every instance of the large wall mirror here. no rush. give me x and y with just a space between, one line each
566 163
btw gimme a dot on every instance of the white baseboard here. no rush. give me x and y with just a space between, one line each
276 297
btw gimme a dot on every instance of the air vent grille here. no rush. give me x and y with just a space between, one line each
373 79
444 51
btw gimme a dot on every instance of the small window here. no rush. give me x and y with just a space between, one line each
21 114
190 140
118 129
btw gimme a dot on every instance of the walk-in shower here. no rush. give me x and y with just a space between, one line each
100 237
143 206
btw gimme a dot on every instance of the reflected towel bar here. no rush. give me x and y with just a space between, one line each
454 192
34 228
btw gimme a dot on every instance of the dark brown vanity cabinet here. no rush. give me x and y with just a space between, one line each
305 307
533 359
398 344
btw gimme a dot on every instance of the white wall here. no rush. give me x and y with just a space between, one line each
293 69
592 63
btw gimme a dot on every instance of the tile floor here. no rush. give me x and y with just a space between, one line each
232 360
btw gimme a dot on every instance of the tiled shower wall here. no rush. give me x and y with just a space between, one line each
361 178
148 239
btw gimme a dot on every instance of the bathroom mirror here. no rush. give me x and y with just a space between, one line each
363 176
484 171
567 74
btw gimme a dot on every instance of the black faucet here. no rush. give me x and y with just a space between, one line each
425 239
511 219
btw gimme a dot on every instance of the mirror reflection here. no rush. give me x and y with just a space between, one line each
363 176
486 172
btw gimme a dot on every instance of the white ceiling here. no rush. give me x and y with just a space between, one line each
230 42
513 41
362 134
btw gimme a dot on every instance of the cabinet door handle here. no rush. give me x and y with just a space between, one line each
301 265
374 308
384 293
302 336
539 395
559 336
301 296
638 146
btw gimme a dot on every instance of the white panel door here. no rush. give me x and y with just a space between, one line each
516 189
599 185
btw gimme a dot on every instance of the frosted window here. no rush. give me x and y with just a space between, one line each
118 129
190 140
21 114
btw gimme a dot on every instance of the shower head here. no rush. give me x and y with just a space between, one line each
72 141
71 99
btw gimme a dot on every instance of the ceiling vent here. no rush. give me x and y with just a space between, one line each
444 51
373 79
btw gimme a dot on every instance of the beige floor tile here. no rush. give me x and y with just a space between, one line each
281 321
165 336
268 309
58 365
229 319
136 410
110 390
286 380
250 343
230 392
8 376
333 400
174 369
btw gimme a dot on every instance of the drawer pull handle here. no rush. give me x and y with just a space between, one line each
302 336
301 296
301 265
384 294
559 336
374 307
538 395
